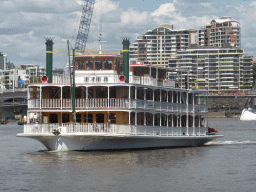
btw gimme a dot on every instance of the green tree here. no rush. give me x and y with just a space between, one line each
10 65
228 114
17 110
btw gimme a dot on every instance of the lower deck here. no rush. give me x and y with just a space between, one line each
124 118
113 129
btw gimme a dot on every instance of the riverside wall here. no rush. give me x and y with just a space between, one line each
225 107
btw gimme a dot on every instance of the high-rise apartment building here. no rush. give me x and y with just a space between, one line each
9 79
22 75
158 45
217 69
223 32
216 60
34 70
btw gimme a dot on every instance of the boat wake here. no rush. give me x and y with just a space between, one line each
230 142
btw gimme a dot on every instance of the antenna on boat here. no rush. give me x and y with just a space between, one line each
69 67
100 30
100 26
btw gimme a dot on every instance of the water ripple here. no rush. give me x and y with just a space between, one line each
230 142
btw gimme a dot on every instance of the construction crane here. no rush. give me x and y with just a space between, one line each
84 26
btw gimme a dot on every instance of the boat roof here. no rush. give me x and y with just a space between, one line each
160 67
97 55
154 66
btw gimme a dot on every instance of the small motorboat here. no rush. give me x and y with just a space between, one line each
212 131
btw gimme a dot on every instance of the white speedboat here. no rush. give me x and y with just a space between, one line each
248 114
115 111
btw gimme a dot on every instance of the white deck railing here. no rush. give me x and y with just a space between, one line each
116 103
114 129
61 79
142 80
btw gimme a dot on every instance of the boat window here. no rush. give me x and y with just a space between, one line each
78 118
157 95
89 120
80 65
140 93
38 92
108 65
53 118
65 92
78 93
112 92
102 92
98 65
65 118
112 117
157 120
149 94
105 79
54 92
100 118
89 65
118 67
98 79
90 92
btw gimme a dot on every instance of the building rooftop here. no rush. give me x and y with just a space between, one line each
224 19
170 28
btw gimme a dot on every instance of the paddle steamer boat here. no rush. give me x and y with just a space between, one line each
113 110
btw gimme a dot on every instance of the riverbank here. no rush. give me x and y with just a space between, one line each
222 114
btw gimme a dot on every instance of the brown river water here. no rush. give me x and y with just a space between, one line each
227 164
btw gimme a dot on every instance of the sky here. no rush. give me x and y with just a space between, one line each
24 24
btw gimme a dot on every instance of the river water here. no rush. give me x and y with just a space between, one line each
227 164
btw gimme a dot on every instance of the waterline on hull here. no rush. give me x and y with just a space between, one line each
115 142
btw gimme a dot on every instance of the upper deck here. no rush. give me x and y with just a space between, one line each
108 68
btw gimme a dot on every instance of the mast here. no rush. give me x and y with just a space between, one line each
100 32
100 52
72 83
73 89
69 65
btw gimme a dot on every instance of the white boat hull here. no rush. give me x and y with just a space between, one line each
113 142
248 115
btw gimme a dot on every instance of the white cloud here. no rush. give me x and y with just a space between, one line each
206 4
164 10
39 6
253 4
133 17
106 5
